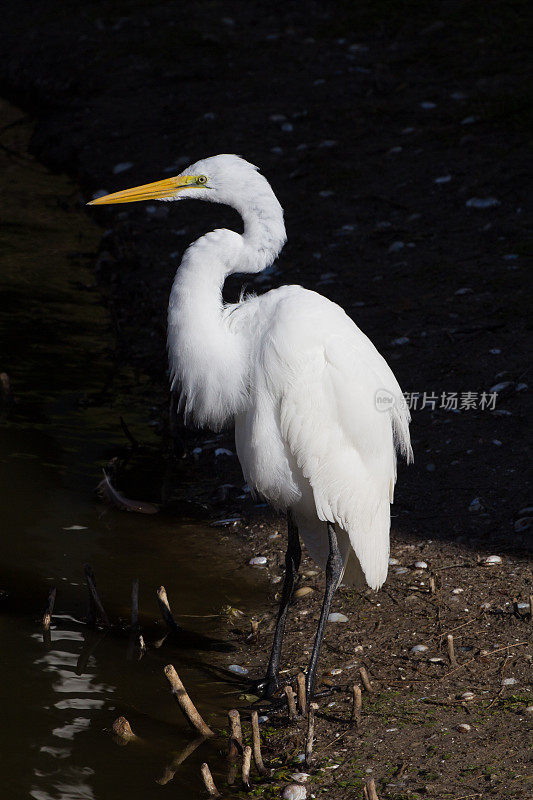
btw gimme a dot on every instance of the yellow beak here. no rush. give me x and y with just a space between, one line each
158 190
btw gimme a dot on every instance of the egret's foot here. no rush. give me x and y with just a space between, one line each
266 687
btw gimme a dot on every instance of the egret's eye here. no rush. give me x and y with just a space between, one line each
201 179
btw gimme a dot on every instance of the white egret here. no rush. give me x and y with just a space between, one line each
318 413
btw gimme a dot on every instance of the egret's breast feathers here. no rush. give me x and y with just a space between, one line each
313 413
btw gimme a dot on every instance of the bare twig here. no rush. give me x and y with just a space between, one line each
235 747
164 606
254 630
371 789
47 616
96 608
291 703
401 770
107 492
185 703
246 763
309 739
451 650
235 734
487 655
531 607
122 731
366 680
256 745
127 433
357 706
300 689
136 645
209 782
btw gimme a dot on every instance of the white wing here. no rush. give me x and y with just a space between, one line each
323 375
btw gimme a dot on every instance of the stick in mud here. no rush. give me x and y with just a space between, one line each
256 745
136 645
370 787
309 739
209 782
300 688
164 605
185 703
366 680
356 706
246 763
47 616
291 703
96 609
451 650
122 731
235 734
235 747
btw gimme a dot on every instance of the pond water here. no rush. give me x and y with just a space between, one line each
59 426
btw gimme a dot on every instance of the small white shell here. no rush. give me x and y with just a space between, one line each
303 591
337 617
482 202
222 451
300 777
258 561
419 648
336 671
294 791
237 669
491 560
463 727
468 696
457 591
122 167
393 562
509 682
420 565
401 570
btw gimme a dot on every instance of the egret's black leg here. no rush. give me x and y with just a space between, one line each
292 563
333 575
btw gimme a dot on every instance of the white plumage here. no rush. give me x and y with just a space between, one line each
295 374
298 379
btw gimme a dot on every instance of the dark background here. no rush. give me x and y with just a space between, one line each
352 111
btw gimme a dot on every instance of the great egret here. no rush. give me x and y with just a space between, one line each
318 413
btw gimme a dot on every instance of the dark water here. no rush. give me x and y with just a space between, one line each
60 697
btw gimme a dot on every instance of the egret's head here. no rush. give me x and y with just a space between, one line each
219 179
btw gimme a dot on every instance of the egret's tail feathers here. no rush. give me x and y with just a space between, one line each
352 574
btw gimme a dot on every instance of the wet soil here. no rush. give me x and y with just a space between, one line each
381 128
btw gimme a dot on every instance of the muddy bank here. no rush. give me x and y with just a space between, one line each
396 145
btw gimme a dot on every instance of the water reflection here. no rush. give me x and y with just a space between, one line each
69 685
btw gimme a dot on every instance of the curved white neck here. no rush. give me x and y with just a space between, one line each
207 358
